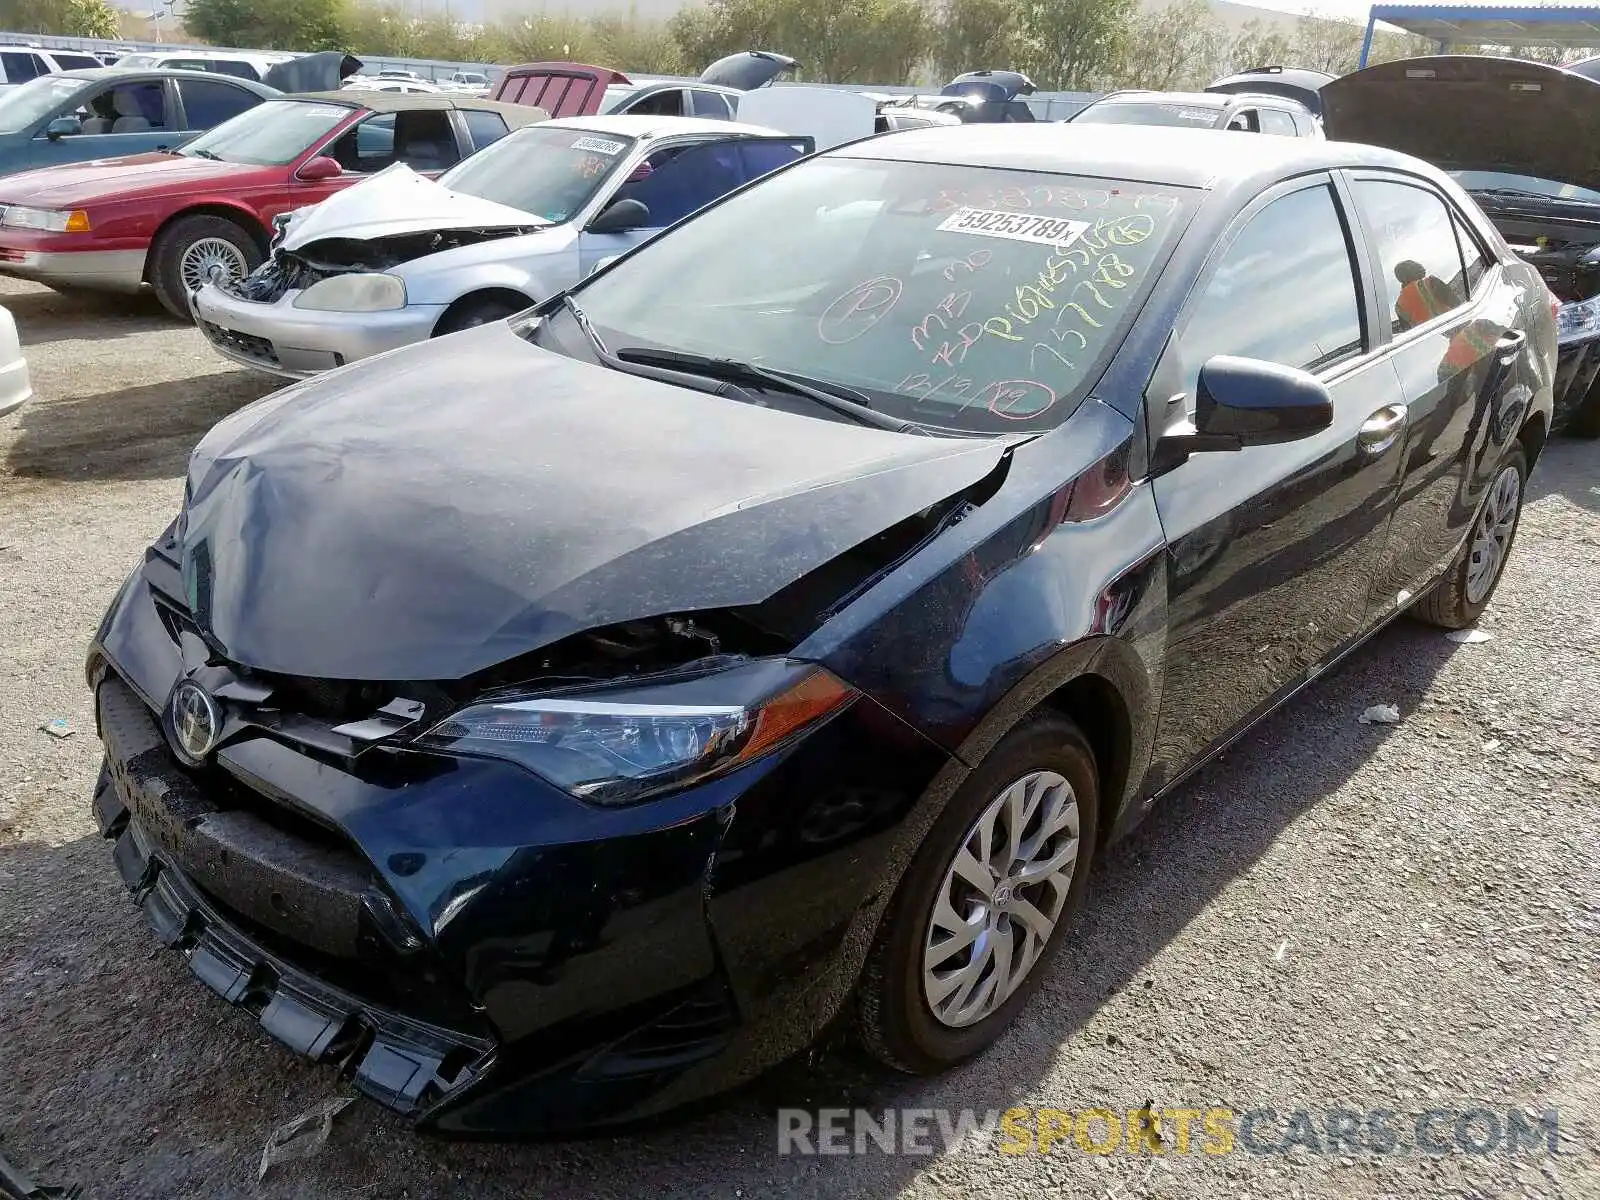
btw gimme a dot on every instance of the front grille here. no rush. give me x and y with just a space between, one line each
257 348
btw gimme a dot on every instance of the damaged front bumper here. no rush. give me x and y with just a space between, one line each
473 947
296 343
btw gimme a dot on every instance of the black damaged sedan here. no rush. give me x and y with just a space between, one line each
569 718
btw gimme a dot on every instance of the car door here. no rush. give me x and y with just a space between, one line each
1271 549
125 117
681 178
1449 315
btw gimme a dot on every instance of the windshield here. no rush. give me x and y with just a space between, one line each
1484 181
970 299
1150 112
268 135
25 105
546 170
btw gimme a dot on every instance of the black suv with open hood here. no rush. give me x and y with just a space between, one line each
1519 137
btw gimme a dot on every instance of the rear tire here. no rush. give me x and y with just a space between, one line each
1460 597
912 1012
185 252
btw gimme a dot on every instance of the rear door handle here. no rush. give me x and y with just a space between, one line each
1382 428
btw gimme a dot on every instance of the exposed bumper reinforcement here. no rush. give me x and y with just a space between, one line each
406 1064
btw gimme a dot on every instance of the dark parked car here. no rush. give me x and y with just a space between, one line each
975 98
1519 137
1242 113
570 717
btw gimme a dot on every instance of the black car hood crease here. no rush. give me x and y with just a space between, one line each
1473 113
431 513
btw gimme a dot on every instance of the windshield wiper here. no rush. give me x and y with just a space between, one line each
845 401
582 319
214 157
1523 194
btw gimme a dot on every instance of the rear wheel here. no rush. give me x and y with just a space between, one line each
193 251
1459 598
982 907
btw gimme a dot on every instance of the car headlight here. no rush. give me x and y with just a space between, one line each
616 745
49 220
1580 319
354 293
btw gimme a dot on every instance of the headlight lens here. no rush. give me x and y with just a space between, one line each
1580 319
48 220
354 293
615 747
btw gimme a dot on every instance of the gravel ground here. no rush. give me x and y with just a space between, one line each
1337 915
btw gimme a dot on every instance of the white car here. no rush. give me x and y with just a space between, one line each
399 258
15 387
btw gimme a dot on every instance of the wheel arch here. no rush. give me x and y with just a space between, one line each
241 216
1101 685
498 291
1534 433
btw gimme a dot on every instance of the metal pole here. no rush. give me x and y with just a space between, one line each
1366 42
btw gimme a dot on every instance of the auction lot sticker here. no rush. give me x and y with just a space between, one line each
598 145
1014 226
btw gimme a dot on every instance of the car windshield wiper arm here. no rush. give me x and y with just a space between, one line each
845 401
1523 194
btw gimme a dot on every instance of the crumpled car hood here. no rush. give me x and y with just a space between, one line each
397 201
433 512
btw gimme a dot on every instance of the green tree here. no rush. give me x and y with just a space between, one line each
1259 45
279 25
631 43
1327 43
1178 48
835 41
1073 45
75 18
974 35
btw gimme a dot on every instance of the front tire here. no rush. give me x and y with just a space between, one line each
1460 597
186 252
980 912
475 311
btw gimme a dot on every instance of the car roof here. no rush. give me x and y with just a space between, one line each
1145 154
640 126
516 115
104 74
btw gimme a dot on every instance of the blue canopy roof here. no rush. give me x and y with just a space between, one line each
1490 25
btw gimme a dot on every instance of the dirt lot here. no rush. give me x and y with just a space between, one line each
1338 915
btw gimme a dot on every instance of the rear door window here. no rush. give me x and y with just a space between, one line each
1420 271
1275 120
710 104
1244 121
484 127
206 104
19 66
1284 291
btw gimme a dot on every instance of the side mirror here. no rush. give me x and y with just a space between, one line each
1243 402
63 127
319 168
620 216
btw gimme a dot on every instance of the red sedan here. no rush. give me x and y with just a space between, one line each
174 219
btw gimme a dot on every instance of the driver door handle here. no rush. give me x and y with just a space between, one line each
1382 429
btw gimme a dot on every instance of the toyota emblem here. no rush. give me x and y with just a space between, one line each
196 721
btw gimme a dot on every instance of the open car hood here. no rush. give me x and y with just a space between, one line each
1293 83
989 85
325 71
1473 113
397 201
432 512
747 71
